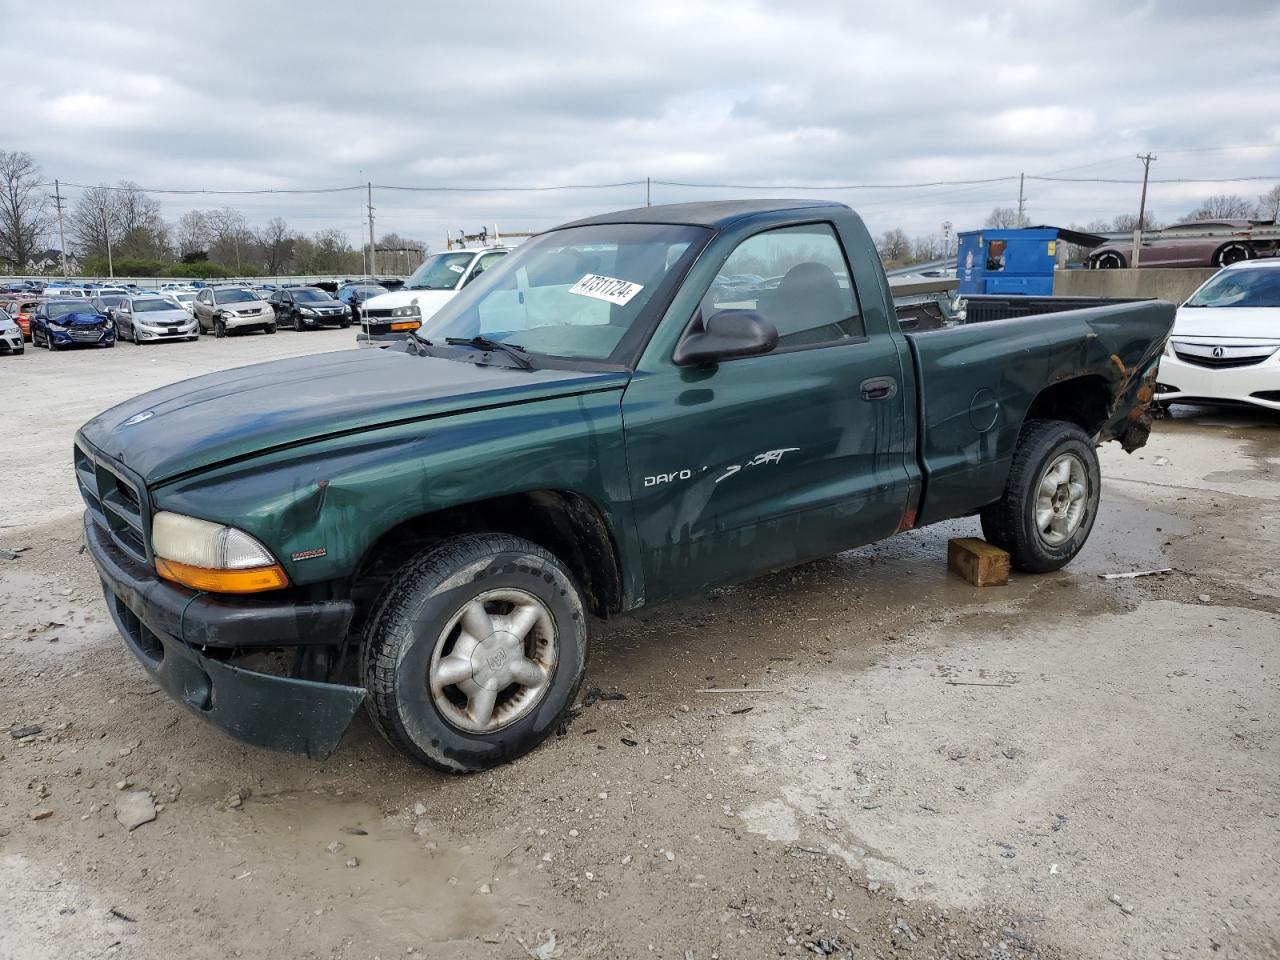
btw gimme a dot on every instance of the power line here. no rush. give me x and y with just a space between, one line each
505 189
201 190
1270 176
846 186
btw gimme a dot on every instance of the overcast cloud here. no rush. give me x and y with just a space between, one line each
244 95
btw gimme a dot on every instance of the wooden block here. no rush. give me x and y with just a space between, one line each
977 561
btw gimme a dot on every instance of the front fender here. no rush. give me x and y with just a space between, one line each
320 506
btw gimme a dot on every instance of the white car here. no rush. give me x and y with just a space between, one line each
186 299
395 315
1225 344
10 334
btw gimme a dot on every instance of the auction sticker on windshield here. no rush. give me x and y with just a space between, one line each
606 288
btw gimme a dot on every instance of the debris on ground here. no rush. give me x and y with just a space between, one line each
1132 574
595 693
135 808
41 813
335 846
21 733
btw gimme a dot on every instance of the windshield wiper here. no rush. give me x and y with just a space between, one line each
513 350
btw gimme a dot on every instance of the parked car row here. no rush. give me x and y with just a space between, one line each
1196 243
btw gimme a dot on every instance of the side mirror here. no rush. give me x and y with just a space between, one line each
725 336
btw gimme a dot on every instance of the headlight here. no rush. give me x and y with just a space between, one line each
1168 348
109 325
307 312
59 328
409 311
210 556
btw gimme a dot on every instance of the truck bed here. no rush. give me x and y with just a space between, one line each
976 383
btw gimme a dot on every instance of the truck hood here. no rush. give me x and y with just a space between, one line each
429 301
1226 323
199 423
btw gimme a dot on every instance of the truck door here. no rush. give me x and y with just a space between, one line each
766 461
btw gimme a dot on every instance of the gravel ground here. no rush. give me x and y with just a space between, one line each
1064 767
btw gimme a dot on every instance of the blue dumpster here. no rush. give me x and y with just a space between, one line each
1007 261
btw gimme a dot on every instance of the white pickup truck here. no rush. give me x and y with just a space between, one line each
394 315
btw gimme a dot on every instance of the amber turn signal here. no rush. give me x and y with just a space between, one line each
407 325
252 580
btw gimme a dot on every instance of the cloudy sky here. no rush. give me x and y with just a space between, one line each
791 96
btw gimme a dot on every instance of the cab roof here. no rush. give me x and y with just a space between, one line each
716 214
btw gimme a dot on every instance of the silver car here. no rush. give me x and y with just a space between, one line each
153 318
224 310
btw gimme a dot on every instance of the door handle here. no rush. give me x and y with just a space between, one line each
879 388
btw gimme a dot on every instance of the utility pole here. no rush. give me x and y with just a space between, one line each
373 251
106 232
1022 179
648 191
62 236
1142 209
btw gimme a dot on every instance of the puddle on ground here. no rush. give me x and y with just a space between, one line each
409 887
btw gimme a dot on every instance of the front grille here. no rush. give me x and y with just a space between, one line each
1228 355
117 503
92 335
375 314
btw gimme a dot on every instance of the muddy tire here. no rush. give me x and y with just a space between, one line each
474 652
1050 500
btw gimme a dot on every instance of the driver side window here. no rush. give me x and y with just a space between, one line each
797 279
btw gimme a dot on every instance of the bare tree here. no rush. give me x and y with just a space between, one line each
1223 206
229 237
24 208
894 245
277 243
1269 204
1002 217
1127 222
927 247
123 215
192 233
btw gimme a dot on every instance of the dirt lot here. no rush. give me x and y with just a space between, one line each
1066 767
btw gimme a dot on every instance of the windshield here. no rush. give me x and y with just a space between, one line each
185 297
441 272
579 293
148 306
62 309
1254 287
112 301
310 296
365 291
234 296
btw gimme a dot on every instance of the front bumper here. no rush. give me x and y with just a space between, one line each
188 329
328 320
12 341
1257 384
167 627
264 319
66 338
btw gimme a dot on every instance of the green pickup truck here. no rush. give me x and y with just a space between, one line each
626 409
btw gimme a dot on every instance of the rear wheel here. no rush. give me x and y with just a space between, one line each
474 652
1050 500
1232 253
1108 261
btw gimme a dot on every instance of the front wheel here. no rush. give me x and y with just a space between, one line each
269 328
1050 499
474 652
219 329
